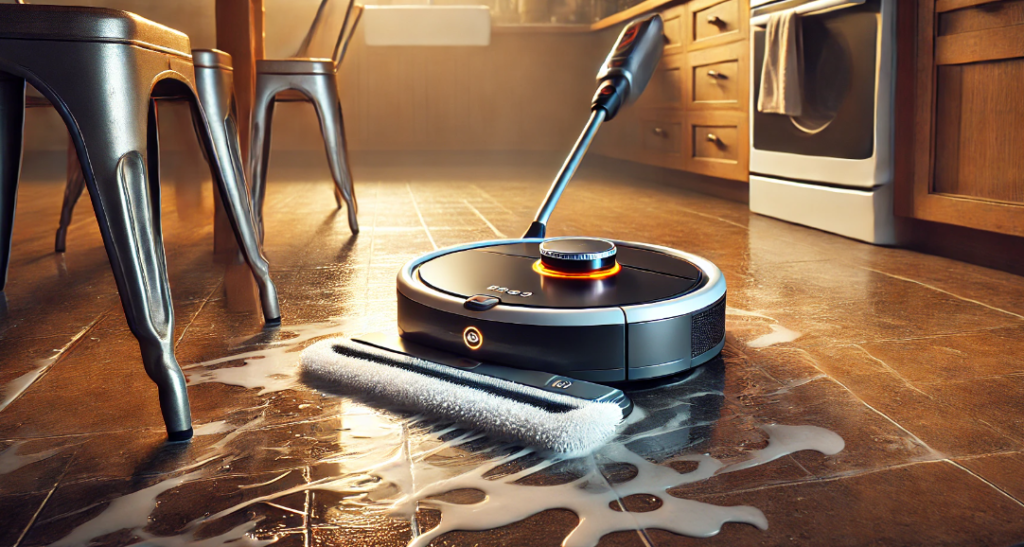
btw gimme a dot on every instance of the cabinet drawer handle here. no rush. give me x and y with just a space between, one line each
715 20
659 132
713 74
712 138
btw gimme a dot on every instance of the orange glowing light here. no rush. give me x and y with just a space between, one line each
540 268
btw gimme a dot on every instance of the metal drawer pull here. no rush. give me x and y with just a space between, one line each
715 20
716 75
712 138
659 132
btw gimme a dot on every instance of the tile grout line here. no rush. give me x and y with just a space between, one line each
641 532
75 340
488 196
42 505
986 481
814 363
307 519
35 516
892 371
192 319
815 479
496 231
934 288
420 215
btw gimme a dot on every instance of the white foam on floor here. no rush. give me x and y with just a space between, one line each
778 335
589 496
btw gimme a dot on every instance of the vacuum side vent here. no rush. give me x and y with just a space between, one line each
708 328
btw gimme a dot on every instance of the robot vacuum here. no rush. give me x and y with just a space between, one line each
591 309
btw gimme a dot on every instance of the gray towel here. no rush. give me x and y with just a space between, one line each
782 72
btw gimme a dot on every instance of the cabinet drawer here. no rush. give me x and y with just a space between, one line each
719 78
675 29
715 22
717 144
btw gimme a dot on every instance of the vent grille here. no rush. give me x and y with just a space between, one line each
708 328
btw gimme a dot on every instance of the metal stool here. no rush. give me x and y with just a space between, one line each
102 70
311 80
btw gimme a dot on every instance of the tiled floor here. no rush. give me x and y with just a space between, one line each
914 361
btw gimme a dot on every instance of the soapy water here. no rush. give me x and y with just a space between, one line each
399 466
273 366
778 335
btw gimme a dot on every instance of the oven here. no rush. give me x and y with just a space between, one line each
830 167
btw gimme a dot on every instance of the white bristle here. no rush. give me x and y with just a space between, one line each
580 430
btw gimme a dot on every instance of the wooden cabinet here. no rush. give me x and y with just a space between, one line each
963 164
693 114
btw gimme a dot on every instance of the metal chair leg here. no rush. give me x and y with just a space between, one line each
220 139
328 109
259 151
127 207
72 192
12 123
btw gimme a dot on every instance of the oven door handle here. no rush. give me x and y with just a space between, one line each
809 8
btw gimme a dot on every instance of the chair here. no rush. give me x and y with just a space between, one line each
102 70
305 79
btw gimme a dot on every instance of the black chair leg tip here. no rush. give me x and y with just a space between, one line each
271 323
179 436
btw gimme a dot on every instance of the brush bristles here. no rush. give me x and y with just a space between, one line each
462 397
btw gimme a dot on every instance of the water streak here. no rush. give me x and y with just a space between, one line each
11 459
778 335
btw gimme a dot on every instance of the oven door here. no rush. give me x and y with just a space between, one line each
837 138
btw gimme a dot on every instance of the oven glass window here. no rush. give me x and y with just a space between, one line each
840 71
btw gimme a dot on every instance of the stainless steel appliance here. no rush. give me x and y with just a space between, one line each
831 167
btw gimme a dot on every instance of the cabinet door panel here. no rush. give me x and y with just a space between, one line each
975 157
966 167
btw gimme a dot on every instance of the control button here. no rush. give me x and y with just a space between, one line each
500 289
480 302
525 294
473 338
493 287
512 292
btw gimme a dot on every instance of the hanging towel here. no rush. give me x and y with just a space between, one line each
782 72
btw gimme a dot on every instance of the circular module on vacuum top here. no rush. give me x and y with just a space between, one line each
570 256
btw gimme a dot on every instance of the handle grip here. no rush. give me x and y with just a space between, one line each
630 65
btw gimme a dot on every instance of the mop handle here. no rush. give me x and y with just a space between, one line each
623 77
538 228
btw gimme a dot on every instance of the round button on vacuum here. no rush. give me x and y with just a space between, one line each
577 254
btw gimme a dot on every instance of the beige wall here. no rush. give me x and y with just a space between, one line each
526 91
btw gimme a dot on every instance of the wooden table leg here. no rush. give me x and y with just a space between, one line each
240 33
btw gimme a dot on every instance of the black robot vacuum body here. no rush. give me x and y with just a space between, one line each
583 308
649 312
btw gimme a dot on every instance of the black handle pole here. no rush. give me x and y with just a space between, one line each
622 79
